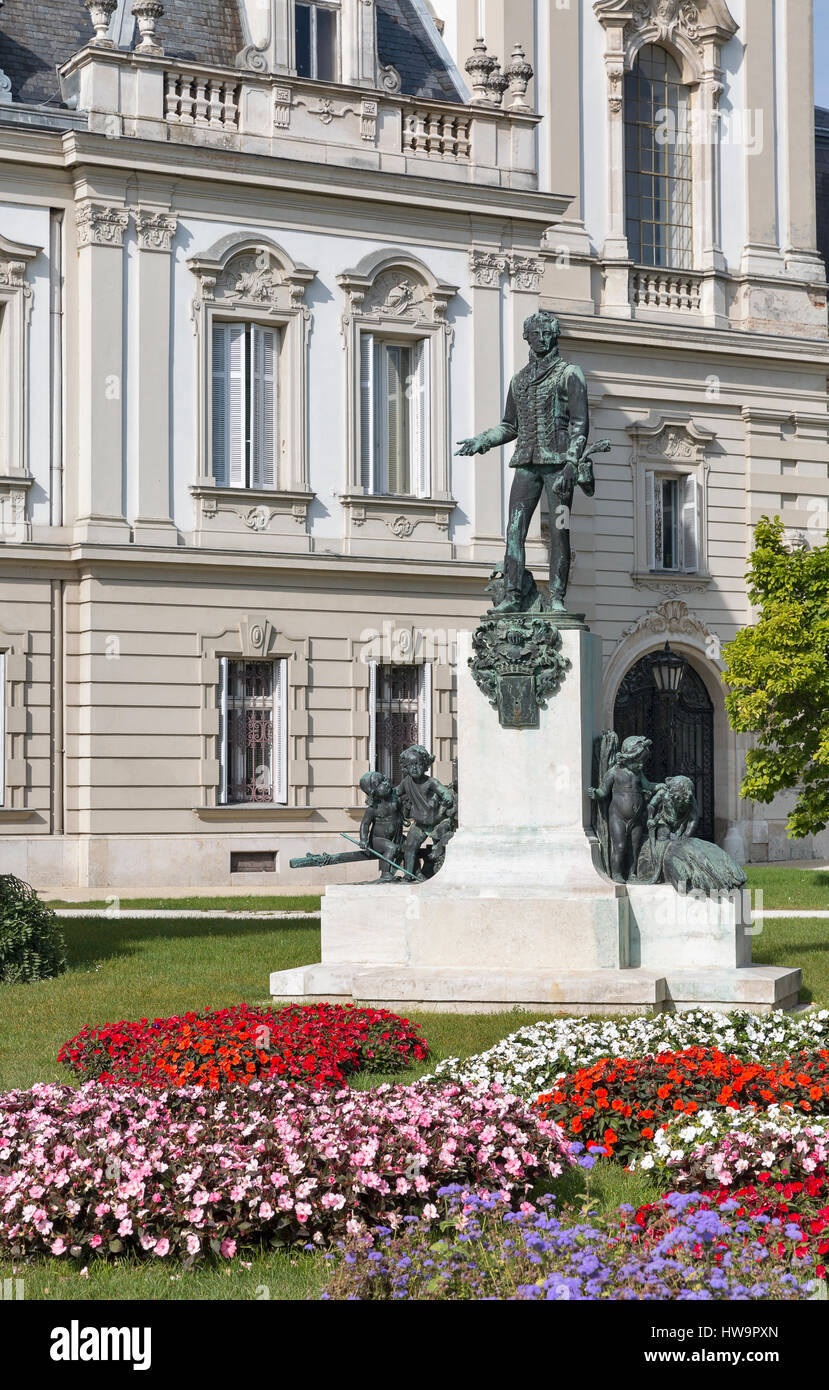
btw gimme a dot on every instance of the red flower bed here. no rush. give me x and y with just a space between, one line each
318 1043
618 1103
795 1211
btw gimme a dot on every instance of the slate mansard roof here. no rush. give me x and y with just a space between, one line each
38 36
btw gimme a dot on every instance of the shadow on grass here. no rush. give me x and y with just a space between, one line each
92 940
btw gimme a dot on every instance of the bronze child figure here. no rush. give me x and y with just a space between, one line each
626 791
428 804
381 828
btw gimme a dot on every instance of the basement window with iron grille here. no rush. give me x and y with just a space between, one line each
253 749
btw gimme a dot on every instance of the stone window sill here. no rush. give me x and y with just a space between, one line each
671 576
255 811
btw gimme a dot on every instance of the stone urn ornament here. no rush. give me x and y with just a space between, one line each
519 72
101 12
497 84
147 14
480 66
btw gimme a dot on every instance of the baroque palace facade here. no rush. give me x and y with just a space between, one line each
261 264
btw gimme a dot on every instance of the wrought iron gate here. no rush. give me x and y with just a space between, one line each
681 728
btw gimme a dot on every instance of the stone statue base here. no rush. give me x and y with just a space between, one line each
521 912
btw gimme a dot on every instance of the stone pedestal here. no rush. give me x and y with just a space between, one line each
521 912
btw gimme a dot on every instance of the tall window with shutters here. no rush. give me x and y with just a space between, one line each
394 416
673 521
253 741
245 404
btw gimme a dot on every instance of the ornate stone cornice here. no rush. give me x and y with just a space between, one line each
101 224
155 229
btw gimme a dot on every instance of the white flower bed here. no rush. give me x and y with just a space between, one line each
731 1147
530 1061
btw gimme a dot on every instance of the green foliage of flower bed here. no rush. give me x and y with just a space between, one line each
32 945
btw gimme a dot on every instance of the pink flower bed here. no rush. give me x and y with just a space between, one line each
188 1172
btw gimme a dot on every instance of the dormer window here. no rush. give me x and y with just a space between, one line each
317 41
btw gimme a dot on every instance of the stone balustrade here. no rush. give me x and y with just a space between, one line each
676 291
436 134
152 97
195 99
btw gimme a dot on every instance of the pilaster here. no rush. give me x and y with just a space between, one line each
155 228
100 483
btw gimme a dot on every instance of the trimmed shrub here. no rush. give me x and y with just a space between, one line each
32 945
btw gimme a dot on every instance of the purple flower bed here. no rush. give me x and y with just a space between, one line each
486 1250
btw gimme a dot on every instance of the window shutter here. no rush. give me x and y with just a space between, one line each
280 733
395 373
424 704
219 389
650 518
420 421
263 407
367 412
372 713
223 731
236 408
690 523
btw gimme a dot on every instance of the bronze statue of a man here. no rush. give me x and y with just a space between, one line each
547 414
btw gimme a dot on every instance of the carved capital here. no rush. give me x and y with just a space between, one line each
101 224
155 229
525 273
486 268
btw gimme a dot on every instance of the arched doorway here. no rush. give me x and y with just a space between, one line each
681 726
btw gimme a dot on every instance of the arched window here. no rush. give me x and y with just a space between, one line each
658 162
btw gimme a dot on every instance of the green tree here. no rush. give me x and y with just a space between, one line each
777 674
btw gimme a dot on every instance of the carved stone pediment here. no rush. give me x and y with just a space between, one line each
258 275
684 26
397 288
670 619
675 439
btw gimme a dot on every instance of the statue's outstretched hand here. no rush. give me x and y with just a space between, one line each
476 445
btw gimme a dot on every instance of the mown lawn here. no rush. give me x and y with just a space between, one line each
131 969
249 902
801 888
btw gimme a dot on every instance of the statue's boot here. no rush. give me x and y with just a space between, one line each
557 604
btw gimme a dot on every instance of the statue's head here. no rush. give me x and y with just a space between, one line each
416 761
375 785
681 791
635 751
542 331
